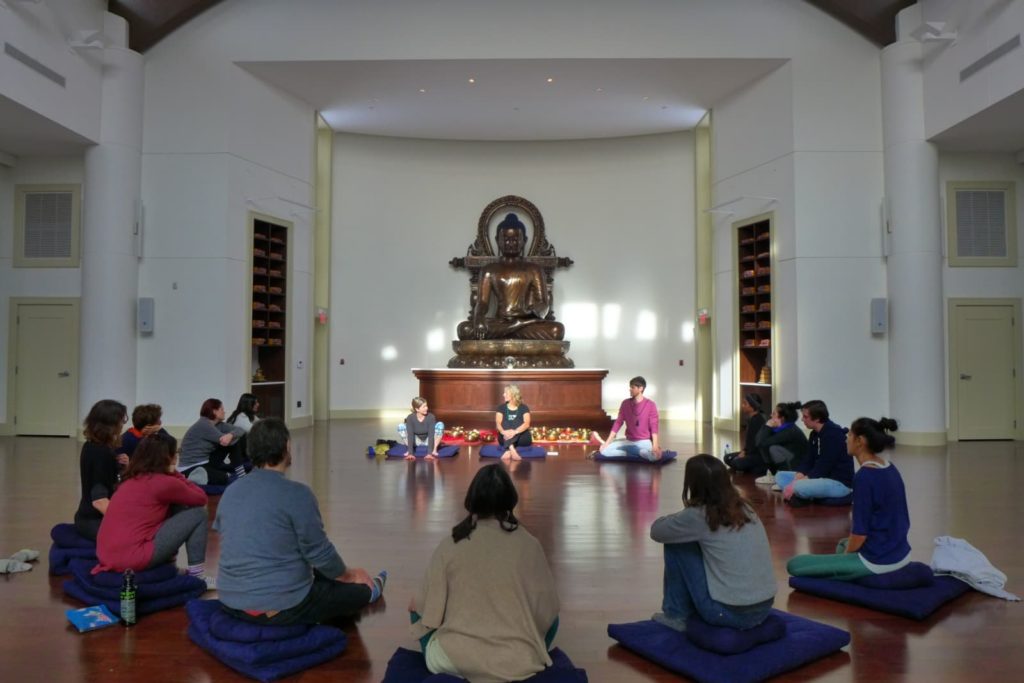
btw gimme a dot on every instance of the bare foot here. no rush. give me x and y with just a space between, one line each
430 456
515 456
410 456
506 455
595 439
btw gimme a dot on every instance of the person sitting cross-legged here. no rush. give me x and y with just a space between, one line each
277 565
826 471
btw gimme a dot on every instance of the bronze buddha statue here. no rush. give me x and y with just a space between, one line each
521 306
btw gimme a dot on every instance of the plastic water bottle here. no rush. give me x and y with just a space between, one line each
128 598
728 448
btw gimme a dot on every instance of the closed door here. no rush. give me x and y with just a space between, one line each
46 368
985 372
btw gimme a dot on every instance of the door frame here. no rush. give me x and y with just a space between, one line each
953 430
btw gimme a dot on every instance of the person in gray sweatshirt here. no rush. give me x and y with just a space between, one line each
718 565
277 565
212 450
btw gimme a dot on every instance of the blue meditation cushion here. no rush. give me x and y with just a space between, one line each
164 572
409 666
914 603
804 642
913 575
213 489
67 536
733 641
495 451
74 589
224 626
149 584
266 660
400 451
666 457
60 558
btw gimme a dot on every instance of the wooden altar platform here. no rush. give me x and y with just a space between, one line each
556 397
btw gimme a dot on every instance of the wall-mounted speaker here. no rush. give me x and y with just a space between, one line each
879 316
145 315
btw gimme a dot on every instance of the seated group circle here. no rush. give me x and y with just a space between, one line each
717 559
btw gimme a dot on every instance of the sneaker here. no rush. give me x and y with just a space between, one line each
674 623
211 582
776 487
378 586
766 479
199 476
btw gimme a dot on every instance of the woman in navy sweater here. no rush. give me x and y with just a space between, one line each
877 543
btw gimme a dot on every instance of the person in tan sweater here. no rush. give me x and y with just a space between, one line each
488 607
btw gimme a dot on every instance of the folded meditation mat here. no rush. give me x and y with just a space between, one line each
400 451
68 544
913 603
804 641
67 536
496 451
157 589
60 558
666 457
265 653
409 666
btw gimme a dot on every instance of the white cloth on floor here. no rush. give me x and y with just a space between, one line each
957 558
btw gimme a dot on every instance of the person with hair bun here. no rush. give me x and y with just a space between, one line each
877 543
827 469
488 607
748 459
781 442
718 565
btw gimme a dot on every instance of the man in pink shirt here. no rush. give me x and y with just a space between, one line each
640 416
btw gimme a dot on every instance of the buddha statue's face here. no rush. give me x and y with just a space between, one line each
510 241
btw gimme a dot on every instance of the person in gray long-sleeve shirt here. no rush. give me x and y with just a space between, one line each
209 443
277 565
718 564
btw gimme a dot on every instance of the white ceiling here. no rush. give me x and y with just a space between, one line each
25 133
512 99
999 128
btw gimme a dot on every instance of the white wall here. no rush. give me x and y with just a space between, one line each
218 144
199 105
622 209
981 27
30 282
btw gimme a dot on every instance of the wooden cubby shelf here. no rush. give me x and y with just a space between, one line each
269 315
754 304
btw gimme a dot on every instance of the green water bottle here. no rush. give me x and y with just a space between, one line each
128 598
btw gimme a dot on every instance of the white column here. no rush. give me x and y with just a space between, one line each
110 269
917 389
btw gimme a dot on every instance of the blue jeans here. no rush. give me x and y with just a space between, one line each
685 588
812 488
620 448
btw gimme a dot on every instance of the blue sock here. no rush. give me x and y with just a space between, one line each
378 586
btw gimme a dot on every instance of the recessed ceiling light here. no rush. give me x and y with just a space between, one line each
646 98
599 90
423 90
551 80
472 80
664 106
515 108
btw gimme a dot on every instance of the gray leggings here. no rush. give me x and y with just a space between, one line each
186 525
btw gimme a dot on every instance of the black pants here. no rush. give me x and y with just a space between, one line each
88 527
751 462
223 462
520 440
326 601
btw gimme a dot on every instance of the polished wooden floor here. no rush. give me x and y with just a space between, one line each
592 520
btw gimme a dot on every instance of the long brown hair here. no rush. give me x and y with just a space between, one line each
103 423
706 484
154 454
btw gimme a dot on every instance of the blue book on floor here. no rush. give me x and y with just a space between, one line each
91 618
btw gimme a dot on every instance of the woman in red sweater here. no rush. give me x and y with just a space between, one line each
154 512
